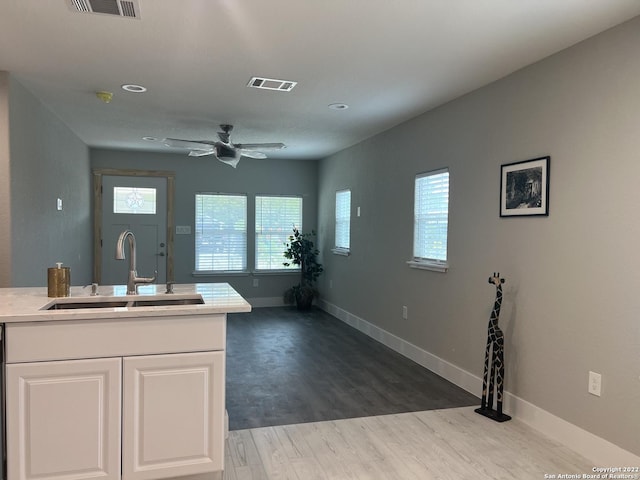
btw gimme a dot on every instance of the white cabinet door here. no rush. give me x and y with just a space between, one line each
173 415
63 420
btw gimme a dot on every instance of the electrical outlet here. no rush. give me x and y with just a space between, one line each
256 282
595 383
405 312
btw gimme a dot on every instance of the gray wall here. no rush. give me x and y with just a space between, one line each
571 298
47 161
206 174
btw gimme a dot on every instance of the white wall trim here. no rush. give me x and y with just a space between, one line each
598 450
259 302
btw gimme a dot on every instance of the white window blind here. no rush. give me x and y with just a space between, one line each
343 220
275 218
431 217
221 232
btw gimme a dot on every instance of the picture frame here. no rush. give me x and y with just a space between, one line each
524 188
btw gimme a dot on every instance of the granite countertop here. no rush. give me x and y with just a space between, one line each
29 304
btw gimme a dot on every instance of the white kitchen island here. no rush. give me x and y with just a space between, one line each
116 386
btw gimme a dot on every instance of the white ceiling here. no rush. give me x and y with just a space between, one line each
389 60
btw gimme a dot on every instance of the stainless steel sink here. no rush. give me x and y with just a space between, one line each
165 300
63 305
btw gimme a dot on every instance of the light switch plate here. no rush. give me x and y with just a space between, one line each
183 229
59 204
595 383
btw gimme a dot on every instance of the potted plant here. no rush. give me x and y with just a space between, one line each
301 251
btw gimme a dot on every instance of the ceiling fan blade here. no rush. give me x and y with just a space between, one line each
260 146
251 153
189 144
201 153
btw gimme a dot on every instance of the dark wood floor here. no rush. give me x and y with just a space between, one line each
286 367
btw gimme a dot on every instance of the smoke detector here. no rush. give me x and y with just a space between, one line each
118 8
106 97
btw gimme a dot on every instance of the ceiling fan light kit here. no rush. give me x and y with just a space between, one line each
223 149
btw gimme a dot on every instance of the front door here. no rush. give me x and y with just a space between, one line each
139 204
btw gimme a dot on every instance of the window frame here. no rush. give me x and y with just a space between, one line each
281 269
340 221
426 262
244 270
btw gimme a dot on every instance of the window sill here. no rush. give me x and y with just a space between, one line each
345 252
217 273
241 273
427 265
282 271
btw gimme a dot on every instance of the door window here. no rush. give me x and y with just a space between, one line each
134 200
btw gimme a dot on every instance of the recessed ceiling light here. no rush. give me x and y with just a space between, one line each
150 139
129 87
338 106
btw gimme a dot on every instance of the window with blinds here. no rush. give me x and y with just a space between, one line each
221 232
275 218
343 222
431 220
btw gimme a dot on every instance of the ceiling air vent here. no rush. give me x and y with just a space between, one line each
119 8
271 84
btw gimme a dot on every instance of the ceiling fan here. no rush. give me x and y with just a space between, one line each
223 149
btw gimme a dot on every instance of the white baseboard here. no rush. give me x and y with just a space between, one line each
594 448
597 449
259 302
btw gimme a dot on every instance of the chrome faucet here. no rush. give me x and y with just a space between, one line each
134 280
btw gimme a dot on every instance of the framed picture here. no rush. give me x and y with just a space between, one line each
524 188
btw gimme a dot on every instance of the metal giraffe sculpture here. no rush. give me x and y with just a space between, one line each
494 361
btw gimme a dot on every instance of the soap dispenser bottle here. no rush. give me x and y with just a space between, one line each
58 281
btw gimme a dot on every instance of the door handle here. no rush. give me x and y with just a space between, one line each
161 254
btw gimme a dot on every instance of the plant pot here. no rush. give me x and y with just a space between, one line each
304 298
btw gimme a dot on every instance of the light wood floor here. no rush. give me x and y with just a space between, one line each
452 444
